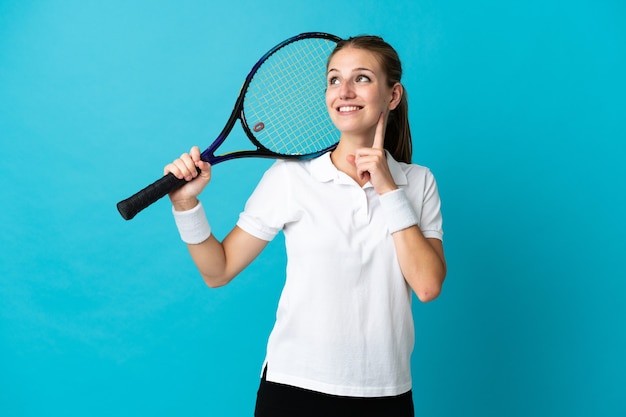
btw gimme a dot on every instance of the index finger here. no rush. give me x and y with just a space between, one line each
195 153
379 136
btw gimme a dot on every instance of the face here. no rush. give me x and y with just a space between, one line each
357 91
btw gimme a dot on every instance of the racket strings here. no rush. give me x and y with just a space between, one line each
284 103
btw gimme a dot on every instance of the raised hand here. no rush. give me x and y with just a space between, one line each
371 163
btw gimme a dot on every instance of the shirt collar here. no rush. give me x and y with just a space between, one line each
323 170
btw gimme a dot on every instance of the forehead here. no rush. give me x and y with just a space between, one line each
350 58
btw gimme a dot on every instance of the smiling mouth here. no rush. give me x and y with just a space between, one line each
346 109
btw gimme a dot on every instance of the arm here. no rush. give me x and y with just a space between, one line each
422 262
421 259
218 262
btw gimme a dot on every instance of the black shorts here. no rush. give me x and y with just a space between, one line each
278 400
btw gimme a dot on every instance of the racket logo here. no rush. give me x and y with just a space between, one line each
258 127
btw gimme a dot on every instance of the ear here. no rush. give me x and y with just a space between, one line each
396 95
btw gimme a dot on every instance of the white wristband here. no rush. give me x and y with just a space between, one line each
193 225
398 210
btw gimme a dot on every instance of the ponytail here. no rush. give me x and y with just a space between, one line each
398 134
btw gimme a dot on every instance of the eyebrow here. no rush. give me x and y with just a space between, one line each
354 70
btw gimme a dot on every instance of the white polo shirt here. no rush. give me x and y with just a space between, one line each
344 324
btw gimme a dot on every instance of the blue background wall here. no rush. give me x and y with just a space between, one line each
517 106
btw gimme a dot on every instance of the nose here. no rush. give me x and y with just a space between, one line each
346 90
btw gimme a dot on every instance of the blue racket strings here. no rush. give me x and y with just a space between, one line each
284 106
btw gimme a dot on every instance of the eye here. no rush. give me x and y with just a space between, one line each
362 78
333 81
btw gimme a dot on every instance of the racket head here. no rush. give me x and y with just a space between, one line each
282 107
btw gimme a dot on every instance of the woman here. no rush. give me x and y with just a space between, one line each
362 229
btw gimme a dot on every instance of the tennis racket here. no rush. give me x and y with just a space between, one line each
281 108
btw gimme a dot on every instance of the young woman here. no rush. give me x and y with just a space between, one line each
362 229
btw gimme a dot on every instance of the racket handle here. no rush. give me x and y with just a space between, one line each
160 188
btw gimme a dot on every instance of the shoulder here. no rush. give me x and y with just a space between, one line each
415 169
410 175
419 173
420 181
283 172
280 166
292 166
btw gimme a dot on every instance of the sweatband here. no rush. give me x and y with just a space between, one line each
192 225
398 210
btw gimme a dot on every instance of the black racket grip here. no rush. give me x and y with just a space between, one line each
160 188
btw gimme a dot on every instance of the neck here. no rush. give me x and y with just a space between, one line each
343 157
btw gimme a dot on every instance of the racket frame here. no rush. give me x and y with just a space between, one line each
129 207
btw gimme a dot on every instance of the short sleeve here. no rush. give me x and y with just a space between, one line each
431 222
265 212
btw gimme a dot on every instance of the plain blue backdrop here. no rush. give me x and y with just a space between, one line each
518 107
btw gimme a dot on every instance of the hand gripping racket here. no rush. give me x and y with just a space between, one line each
281 108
